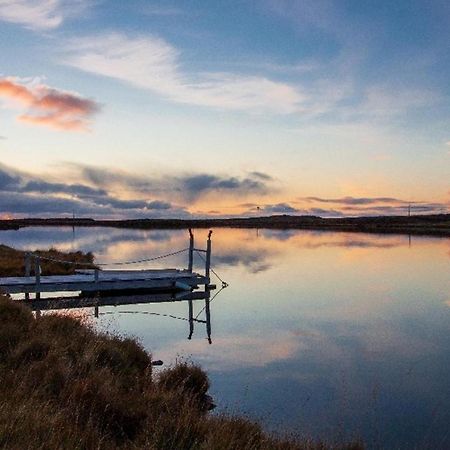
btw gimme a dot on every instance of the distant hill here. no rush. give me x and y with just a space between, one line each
433 224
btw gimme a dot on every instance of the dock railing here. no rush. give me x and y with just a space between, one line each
207 251
33 263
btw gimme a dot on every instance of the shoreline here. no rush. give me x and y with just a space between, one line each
84 388
426 225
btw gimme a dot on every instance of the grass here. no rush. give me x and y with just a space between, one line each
65 385
12 261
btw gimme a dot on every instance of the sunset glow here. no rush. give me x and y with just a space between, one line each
194 109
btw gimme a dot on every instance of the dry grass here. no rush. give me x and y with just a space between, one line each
12 261
65 386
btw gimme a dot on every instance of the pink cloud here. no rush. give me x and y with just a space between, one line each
50 107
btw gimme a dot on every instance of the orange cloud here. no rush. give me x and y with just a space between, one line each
50 107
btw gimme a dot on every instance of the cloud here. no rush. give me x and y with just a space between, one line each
346 206
32 205
48 106
60 188
40 14
152 63
254 260
240 351
370 206
261 175
388 210
195 185
280 208
355 200
110 193
182 187
22 193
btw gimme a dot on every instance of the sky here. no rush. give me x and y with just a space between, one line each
224 108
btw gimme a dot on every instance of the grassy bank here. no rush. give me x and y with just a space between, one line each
64 385
12 261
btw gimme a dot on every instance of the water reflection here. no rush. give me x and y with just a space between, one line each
70 305
325 333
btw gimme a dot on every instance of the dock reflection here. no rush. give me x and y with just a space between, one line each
99 302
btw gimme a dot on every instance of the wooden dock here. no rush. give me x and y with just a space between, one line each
106 280
109 282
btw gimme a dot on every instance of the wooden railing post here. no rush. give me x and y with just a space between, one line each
191 250
208 255
37 273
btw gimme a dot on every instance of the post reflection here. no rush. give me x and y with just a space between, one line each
78 303
193 320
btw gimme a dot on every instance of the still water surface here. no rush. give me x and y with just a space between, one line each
329 334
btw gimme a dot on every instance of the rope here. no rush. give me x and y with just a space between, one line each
224 283
213 297
123 263
149 313
145 312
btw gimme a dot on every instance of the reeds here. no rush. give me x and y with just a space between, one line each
64 385
12 261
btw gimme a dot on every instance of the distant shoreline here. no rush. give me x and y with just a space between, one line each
427 225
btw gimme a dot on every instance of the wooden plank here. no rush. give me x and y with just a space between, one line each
150 271
107 276
68 284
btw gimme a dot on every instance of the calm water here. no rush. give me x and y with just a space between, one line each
329 334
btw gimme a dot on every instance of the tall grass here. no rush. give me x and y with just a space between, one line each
64 385
12 261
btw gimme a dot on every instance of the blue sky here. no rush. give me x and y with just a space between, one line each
182 103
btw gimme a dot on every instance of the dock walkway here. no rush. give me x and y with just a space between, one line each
89 281
106 280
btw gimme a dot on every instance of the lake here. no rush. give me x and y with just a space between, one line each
329 334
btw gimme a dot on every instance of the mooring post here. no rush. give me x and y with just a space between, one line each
27 271
37 273
96 275
191 250
208 255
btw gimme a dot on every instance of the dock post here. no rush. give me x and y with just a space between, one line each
37 273
208 315
191 250
27 271
208 256
96 275
191 319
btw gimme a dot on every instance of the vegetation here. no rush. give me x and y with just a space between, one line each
12 261
421 224
64 385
